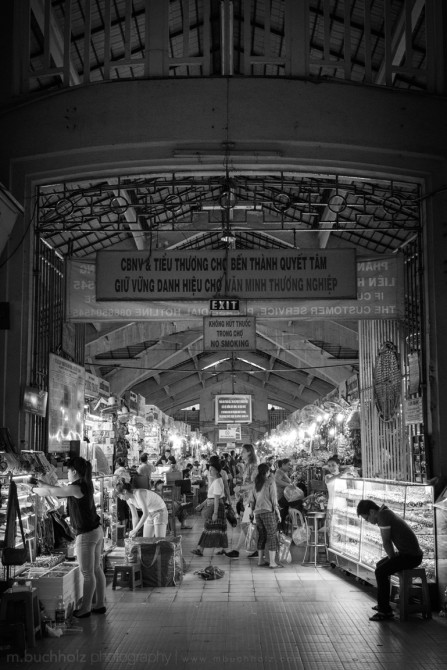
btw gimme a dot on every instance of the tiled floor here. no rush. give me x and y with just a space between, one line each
298 618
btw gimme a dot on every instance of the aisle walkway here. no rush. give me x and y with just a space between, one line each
298 618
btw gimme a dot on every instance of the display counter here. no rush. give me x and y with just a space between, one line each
355 545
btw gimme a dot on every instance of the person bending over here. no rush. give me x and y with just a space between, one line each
154 517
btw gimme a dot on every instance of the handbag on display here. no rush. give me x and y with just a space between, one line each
251 538
12 555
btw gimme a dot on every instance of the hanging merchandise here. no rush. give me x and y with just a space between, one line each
12 555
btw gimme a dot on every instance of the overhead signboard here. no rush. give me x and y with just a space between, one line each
233 409
251 274
229 333
380 295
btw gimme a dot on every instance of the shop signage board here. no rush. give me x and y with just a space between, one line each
380 295
413 411
229 333
233 409
251 274
66 395
91 385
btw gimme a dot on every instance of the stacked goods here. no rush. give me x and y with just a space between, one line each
64 581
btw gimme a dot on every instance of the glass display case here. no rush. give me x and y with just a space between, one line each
356 545
27 511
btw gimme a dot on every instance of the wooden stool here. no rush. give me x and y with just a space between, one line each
407 590
22 607
127 575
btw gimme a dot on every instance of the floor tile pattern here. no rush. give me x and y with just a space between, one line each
297 618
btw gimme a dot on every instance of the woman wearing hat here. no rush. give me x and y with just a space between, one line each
214 533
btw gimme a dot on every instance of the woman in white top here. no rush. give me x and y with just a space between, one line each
215 527
154 517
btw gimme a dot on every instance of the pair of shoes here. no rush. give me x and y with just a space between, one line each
185 527
253 555
277 565
263 565
196 552
376 608
99 610
81 616
232 554
380 616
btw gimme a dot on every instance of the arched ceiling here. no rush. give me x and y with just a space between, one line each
295 362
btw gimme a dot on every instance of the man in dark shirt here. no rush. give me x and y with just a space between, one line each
401 547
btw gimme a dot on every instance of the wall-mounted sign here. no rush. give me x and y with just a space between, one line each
35 401
91 385
65 403
380 295
229 333
224 305
233 409
275 273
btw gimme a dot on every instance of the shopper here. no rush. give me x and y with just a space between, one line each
154 517
89 533
122 474
145 468
245 479
264 502
180 509
401 547
214 533
282 479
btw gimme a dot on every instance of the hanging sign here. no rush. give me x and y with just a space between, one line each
233 409
192 274
380 295
229 333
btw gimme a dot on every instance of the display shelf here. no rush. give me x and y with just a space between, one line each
355 540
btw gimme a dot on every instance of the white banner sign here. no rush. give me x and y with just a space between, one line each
229 333
250 274
380 295
233 409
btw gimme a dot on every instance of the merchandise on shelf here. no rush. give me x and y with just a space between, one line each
360 542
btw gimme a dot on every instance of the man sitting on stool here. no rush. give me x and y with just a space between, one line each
396 535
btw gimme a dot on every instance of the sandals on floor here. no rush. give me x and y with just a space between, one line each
196 552
278 565
380 616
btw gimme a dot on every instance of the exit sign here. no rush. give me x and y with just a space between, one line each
224 305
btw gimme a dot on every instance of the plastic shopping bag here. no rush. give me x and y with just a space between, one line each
251 539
